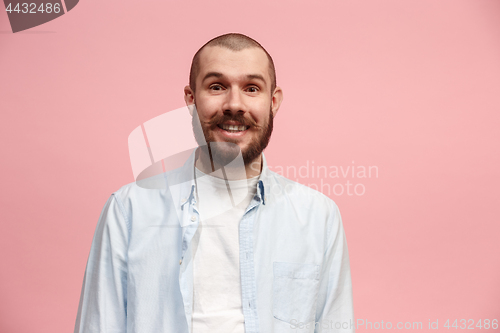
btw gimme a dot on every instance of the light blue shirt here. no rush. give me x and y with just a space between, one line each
294 264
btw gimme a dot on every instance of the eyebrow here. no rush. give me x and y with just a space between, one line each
212 74
256 76
219 75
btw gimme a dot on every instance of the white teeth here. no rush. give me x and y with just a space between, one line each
233 128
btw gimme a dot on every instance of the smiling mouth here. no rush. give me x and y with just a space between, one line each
233 128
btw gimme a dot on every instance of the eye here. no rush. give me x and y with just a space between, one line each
215 87
252 89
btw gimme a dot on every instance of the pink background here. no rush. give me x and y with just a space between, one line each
412 87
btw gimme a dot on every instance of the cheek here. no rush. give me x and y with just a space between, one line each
206 109
261 114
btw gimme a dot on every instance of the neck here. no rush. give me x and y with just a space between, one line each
207 165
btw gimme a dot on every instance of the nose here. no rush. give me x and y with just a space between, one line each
234 102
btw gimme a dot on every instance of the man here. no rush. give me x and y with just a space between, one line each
227 246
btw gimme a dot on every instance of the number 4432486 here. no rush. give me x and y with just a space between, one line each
469 324
31 8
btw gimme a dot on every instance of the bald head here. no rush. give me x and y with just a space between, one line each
234 42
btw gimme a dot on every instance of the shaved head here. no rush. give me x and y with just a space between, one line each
234 42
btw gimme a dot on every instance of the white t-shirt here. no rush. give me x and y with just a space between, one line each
216 270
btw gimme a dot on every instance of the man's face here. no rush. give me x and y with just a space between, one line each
234 100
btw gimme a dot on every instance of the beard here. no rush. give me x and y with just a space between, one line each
223 153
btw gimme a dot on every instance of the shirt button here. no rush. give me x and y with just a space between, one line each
193 218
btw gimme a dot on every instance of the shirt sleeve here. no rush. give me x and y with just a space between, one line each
335 311
103 300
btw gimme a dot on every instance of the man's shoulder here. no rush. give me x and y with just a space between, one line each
142 187
283 187
150 192
154 184
308 205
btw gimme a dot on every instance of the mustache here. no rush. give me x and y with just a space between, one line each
222 118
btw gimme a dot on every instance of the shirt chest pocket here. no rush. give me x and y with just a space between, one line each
295 291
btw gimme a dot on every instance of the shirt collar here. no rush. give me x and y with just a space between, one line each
184 178
264 181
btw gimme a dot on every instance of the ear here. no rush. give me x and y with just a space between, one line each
189 98
276 100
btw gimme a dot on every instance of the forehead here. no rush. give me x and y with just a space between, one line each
234 64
